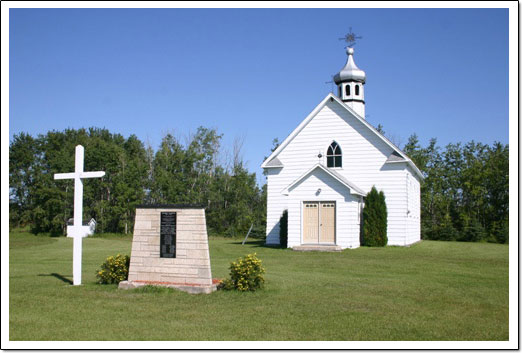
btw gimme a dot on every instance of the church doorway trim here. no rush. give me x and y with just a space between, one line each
319 222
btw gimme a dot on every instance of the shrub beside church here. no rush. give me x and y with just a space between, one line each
375 219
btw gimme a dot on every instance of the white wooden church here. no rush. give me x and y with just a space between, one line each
323 170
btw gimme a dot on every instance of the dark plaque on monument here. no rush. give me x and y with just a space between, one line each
168 234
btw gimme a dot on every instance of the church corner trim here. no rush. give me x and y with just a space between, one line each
355 190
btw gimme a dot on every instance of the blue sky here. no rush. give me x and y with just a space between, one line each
256 73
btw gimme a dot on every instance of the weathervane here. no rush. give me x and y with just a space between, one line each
350 38
331 83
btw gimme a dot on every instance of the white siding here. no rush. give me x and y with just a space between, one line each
347 205
414 206
276 204
392 181
364 156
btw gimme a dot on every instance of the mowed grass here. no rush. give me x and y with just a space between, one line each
429 291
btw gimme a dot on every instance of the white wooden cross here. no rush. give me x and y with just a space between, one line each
78 230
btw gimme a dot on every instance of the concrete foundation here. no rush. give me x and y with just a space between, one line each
327 248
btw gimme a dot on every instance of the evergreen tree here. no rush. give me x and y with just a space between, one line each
474 231
375 219
283 229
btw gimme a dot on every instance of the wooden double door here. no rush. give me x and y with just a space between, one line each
319 222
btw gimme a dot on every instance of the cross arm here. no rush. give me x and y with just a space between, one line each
64 176
81 175
92 174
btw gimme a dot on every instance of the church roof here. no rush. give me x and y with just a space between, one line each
395 157
332 97
354 189
350 71
274 163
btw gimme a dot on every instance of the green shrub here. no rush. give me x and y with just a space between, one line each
474 231
375 219
226 284
283 230
446 231
442 229
246 274
500 231
114 270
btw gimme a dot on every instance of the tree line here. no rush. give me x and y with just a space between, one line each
193 171
465 193
464 196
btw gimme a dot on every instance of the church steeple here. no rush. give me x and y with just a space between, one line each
350 82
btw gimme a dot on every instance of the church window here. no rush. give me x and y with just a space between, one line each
334 157
356 90
347 90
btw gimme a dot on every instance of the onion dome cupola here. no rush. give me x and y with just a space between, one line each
350 82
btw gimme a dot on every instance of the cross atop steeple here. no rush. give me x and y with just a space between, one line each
350 38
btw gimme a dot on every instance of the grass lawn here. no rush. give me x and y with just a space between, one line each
429 291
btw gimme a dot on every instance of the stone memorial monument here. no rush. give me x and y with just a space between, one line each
170 248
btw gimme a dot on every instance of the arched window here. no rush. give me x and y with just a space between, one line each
347 90
356 90
334 156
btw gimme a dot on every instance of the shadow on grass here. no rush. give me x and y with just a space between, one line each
59 276
111 236
258 244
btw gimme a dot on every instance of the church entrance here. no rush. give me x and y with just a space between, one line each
319 222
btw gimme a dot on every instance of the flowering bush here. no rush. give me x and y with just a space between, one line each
246 274
114 270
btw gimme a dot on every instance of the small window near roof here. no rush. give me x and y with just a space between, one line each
334 157
356 90
347 88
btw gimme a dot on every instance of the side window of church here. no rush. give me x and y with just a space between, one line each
334 157
347 90
356 90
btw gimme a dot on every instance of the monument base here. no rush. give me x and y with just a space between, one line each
189 288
